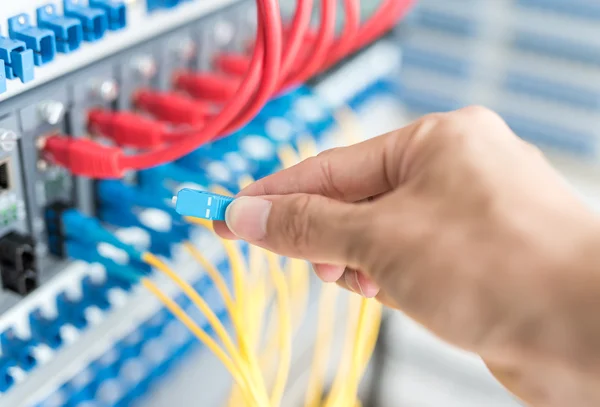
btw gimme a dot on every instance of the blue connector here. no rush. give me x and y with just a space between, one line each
202 204
73 310
18 348
93 20
6 378
46 330
89 254
18 60
160 243
41 41
116 12
96 294
85 229
111 192
68 31
2 77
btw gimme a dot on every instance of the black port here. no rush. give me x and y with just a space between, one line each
18 263
54 227
5 184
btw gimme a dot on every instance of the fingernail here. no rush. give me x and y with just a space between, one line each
329 273
247 217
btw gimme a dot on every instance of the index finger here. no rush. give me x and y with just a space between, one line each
348 174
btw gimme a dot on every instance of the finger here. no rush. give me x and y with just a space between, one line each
223 231
347 173
328 273
310 227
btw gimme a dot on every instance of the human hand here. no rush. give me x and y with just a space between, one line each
464 227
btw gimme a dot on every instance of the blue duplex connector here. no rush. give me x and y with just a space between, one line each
111 192
202 204
41 41
19 348
46 330
93 20
89 230
68 31
160 243
18 60
115 11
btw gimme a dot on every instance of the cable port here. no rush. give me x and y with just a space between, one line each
55 228
18 263
5 182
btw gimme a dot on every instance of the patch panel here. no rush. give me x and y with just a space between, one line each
87 32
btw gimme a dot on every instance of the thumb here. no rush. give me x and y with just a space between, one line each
305 226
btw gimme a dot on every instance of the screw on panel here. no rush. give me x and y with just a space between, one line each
8 140
107 90
184 48
51 111
145 66
224 32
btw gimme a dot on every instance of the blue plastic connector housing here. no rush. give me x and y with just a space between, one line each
73 310
6 378
202 204
111 192
18 60
85 229
160 243
93 20
46 330
2 77
18 348
68 31
116 12
41 41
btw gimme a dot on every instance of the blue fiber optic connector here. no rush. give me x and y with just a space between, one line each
40 40
115 11
18 60
94 20
202 204
68 31
85 229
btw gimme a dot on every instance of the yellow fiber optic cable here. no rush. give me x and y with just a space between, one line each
250 394
351 388
322 347
285 324
335 392
244 365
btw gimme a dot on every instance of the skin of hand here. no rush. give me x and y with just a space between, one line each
465 228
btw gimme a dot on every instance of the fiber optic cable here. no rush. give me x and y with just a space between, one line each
322 347
249 393
232 308
244 365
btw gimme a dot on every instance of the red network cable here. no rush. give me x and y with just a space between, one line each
266 71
